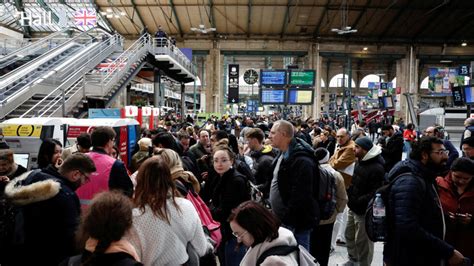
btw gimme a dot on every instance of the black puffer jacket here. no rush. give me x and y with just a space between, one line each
415 235
297 172
392 151
262 162
368 177
51 212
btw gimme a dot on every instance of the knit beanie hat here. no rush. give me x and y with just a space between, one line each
322 155
365 143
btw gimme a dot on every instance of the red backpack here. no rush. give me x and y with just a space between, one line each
211 227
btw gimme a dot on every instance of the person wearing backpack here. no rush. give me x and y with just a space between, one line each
368 177
268 242
322 238
291 191
415 223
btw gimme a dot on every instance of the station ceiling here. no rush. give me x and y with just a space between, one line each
376 21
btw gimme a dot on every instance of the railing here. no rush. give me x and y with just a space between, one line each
30 48
73 92
163 46
102 83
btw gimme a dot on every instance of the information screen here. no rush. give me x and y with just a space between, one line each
469 94
386 102
458 97
302 77
272 96
272 77
300 96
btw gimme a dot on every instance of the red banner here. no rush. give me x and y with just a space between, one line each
123 144
75 131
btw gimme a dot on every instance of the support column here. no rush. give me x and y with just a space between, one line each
213 78
183 102
317 93
157 88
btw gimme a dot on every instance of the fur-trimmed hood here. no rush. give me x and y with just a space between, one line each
31 187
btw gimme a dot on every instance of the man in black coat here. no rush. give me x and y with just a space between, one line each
393 148
51 209
291 190
262 157
415 221
368 177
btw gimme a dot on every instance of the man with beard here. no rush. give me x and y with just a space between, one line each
51 209
416 224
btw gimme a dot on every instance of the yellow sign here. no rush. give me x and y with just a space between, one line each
21 130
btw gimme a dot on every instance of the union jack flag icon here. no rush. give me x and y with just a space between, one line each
85 17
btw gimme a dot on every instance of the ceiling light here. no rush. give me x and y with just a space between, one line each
446 61
463 44
365 48
109 10
202 29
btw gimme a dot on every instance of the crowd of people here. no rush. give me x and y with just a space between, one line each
258 177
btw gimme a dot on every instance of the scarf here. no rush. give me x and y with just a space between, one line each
178 172
119 246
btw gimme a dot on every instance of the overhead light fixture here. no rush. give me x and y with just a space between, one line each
202 29
111 13
345 28
464 44
446 61
365 48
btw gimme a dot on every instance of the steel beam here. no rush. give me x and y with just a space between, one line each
395 18
26 29
135 9
316 30
286 19
249 18
362 12
173 9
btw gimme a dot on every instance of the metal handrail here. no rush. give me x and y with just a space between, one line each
30 48
58 97
18 70
164 46
120 65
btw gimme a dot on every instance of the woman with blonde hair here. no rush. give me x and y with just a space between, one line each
172 159
163 224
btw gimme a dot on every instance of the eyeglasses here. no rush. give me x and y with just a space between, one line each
220 161
84 176
441 152
340 137
241 235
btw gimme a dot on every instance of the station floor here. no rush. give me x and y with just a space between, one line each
339 256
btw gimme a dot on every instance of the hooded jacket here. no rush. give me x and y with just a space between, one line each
368 177
296 175
457 234
51 212
262 165
415 224
392 151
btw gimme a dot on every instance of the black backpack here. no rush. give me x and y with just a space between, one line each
370 227
325 191
278 251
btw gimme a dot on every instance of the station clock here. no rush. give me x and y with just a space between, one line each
250 76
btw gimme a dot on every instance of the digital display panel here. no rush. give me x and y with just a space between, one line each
272 96
386 102
458 96
469 94
302 77
300 97
272 77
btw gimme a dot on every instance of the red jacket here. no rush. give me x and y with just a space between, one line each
409 135
459 235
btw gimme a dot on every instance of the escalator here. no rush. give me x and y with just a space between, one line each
31 51
106 79
52 70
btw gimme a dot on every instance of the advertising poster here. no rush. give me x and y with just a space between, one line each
440 79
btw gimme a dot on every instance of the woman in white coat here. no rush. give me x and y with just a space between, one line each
257 228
